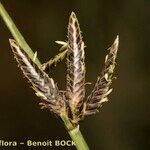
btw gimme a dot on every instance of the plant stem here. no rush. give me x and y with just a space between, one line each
77 137
16 33
74 132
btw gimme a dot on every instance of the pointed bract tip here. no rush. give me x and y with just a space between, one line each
12 42
116 43
116 40
73 15
61 42
35 56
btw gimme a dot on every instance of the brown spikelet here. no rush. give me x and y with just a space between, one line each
75 67
102 86
44 86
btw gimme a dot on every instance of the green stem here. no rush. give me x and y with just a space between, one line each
16 33
74 133
77 137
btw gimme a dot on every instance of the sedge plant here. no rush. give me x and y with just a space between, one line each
70 104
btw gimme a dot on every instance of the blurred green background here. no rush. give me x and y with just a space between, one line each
124 122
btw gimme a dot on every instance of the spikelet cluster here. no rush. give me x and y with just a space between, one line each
72 101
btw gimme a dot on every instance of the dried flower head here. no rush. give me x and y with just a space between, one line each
102 89
75 91
43 85
72 100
